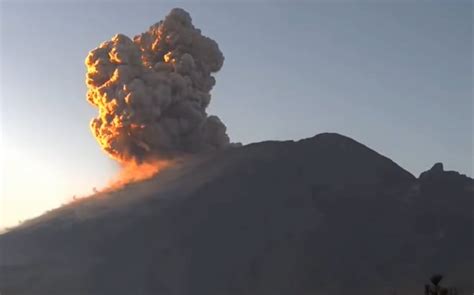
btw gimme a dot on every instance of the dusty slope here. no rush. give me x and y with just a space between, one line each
325 215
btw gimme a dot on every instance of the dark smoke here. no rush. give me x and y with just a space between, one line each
152 92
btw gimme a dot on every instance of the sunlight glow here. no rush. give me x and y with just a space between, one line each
29 187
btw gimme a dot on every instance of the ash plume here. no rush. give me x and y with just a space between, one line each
152 92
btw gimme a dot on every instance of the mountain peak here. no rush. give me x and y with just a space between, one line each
265 218
331 138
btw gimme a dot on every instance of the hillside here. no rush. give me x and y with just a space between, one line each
324 215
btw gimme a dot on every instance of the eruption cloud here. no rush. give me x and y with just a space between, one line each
152 92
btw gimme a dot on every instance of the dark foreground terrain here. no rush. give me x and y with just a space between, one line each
324 215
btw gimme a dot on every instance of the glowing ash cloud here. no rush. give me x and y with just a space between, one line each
152 92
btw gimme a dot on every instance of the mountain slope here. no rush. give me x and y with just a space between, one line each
325 215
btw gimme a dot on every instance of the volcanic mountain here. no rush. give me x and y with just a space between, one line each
324 215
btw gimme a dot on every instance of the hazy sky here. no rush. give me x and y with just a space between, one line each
396 76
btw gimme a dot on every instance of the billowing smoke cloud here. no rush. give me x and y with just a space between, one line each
152 92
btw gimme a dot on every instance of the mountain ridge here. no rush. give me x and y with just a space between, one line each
258 219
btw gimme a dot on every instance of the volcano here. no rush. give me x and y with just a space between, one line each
324 215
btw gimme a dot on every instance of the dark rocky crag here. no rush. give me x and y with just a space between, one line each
324 215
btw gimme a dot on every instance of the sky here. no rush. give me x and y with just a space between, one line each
394 75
